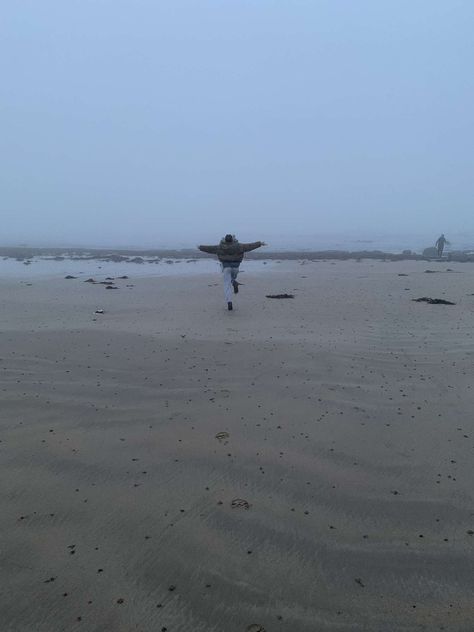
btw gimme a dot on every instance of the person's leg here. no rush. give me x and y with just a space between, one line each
235 272
227 272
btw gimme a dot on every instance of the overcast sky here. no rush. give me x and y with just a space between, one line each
142 122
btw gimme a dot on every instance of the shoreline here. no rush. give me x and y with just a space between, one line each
154 255
110 272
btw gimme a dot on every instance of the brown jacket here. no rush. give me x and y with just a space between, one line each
232 252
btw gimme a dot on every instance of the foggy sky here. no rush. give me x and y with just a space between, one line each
142 122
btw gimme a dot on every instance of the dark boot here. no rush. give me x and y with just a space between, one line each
235 286
229 306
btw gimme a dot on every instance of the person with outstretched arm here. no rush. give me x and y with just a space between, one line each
230 253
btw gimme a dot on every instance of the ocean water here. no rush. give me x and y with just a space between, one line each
393 243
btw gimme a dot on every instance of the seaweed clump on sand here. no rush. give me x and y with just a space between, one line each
432 301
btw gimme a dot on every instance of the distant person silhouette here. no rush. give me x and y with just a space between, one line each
230 253
440 244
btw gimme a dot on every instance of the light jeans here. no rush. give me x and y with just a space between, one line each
230 275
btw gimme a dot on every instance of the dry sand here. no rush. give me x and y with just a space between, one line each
350 433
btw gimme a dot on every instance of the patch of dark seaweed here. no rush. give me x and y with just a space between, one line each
432 301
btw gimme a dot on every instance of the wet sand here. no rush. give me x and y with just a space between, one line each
300 465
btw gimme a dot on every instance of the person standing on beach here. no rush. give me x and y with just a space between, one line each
230 253
440 243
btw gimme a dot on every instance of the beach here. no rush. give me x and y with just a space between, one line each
298 465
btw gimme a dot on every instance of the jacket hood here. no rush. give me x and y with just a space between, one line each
223 242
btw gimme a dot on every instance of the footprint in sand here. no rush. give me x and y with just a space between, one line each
240 503
222 436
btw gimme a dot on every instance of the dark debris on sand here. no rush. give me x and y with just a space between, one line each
432 301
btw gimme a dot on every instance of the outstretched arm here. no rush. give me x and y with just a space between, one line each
212 250
253 246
